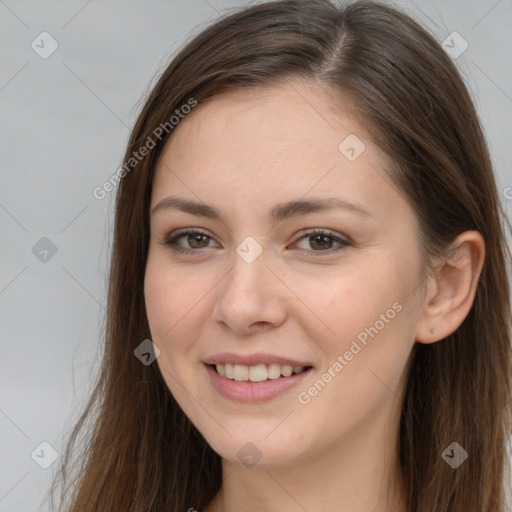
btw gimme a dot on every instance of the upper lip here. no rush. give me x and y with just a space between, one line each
252 359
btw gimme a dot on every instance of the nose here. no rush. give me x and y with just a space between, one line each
251 298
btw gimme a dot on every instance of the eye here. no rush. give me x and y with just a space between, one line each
195 238
322 240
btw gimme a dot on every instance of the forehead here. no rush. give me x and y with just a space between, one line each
271 142
281 116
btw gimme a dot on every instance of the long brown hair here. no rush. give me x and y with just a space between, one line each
133 448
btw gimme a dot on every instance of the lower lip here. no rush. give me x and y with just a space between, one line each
253 392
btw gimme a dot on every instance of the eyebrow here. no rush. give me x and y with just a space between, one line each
278 213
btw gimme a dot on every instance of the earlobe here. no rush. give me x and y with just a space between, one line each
451 288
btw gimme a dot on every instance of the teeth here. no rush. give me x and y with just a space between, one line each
286 370
257 373
274 371
240 372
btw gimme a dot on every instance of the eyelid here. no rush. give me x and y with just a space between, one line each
171 239
323 231
343 240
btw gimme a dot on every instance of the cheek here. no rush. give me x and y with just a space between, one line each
346 300
160 302
364 315
169 293
363 370
169 306
169 316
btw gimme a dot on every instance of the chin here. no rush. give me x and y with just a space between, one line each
250 447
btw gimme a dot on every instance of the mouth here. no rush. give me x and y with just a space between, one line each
257 383
255 378
257 373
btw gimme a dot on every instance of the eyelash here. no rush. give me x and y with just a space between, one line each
171 241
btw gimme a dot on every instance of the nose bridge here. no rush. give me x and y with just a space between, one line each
247 278
247 296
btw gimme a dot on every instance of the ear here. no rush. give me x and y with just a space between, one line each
451 288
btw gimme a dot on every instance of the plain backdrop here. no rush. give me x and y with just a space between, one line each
66 117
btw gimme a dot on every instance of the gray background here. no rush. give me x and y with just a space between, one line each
66 121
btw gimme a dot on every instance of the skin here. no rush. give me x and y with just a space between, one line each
243 153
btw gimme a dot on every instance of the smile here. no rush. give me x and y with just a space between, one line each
256 383
257 373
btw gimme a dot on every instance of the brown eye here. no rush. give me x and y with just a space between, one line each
197 241
193 240
322 241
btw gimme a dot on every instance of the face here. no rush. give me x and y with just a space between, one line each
326 291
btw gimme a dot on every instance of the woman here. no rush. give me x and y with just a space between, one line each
309 300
